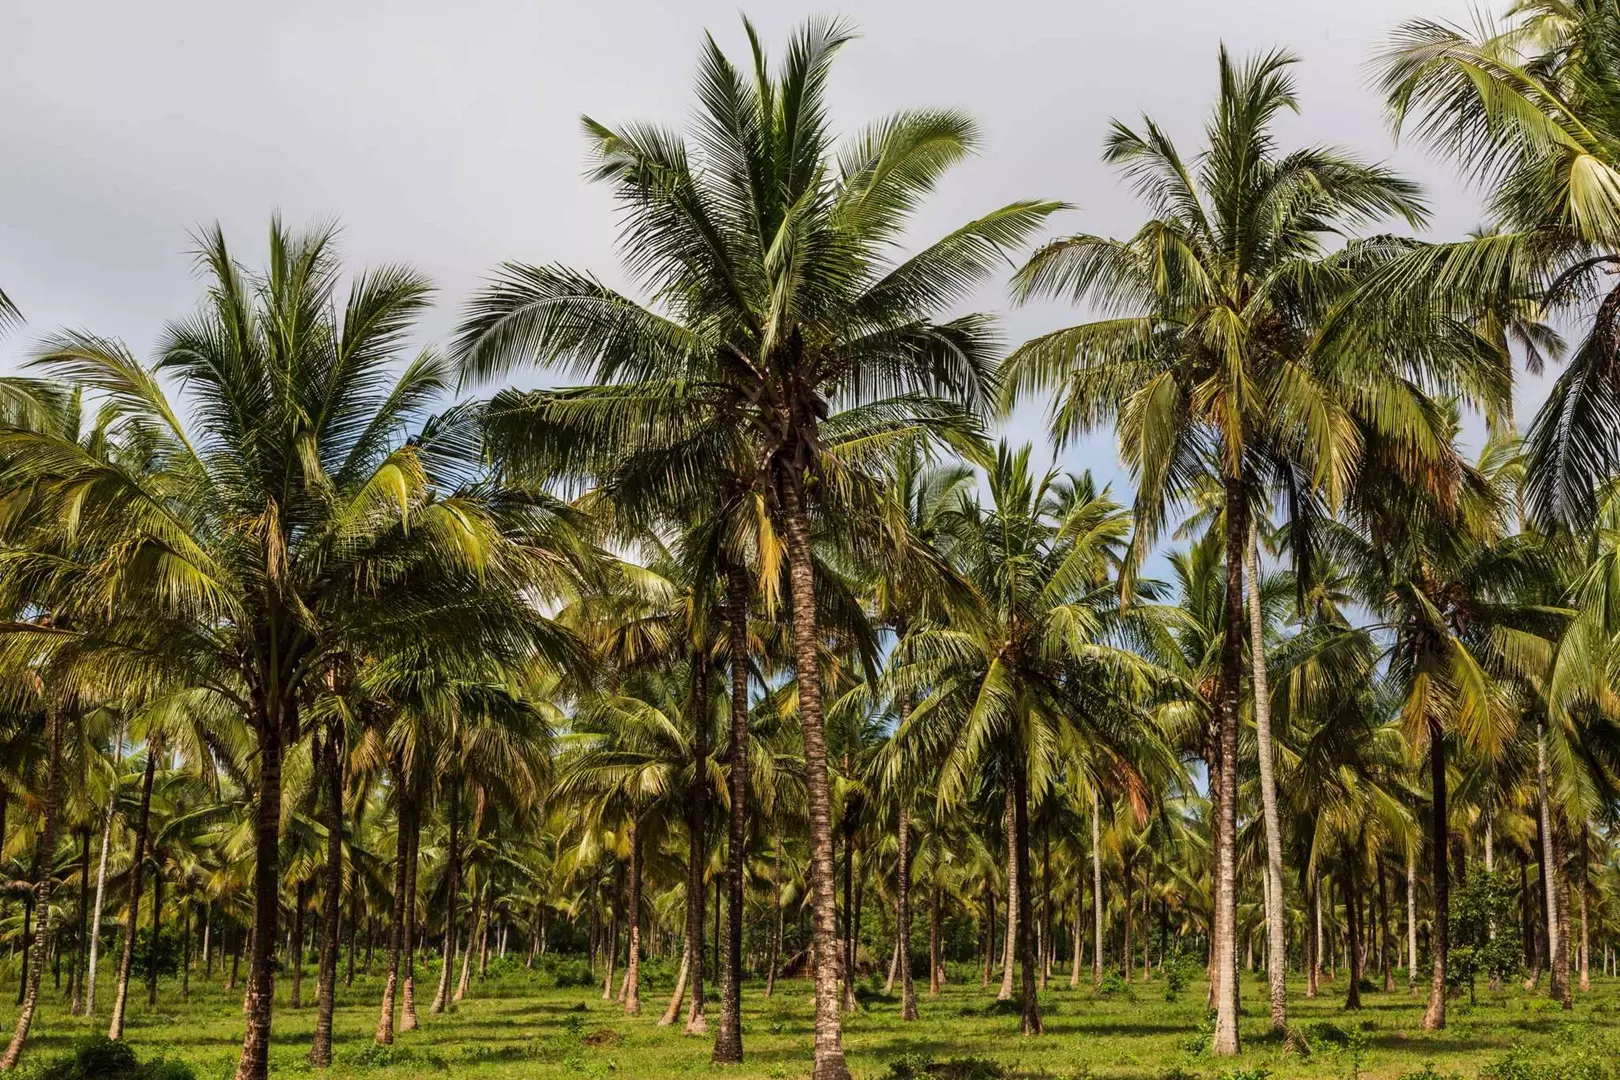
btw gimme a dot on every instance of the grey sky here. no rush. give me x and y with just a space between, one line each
446 134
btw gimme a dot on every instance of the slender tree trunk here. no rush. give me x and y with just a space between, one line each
76 981
255 1060
441 999
1411 919
728 1043
407 1009
829 1050
847 961
679 994
1352 998
776 908
1079 933
1225 776
101 874
1383 931
1586 938
1276 928
1030 1006
1096 890
396 928
1434 1017
157 925
44 887
1552 876
126 960
696 826
632 969
320 1051
480 916
1009 949
300 902
936 965
1313 938
902 933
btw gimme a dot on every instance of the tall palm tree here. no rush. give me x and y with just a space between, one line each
1041 680
1228 348
774 291
288 519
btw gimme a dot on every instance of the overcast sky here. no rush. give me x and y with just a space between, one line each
446 135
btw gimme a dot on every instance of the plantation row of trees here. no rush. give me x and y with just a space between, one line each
310 647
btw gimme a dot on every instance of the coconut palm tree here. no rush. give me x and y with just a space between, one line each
1039 684
774 291
1234 346
287 517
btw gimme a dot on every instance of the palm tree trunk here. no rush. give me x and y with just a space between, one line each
1434 1017
320 1051
480 917
1079 932
728 1045
254 1063
1009 950
1352 998
407 1008
829 1050
1276 930
76 980
1030 1009
101 874
632 903
44 887
126 960
157 916
902 932
441 999
696 857
1313 937
936 963
396 929
1096 890
1586 939
989 935
679 994
776 907
1383 931
1411 919
300 902
1225 776
1552 877
847 957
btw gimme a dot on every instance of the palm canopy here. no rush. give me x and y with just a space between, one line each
775 292
1223 344
1530 109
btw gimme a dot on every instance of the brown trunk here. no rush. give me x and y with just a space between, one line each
1552 872
157 925
728 1044
1224 932
126 959
396 929
44 888
407 1009
902 932
441 998
1009 949
696 826
255 1060
320 1051
829 1050
300 899
1352 921
679 994
1030 1010
1434 1017
632 903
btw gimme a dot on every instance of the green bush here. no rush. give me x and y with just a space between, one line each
917 1067
101 1058
572 973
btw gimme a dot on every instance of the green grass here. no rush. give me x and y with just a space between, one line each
518 1026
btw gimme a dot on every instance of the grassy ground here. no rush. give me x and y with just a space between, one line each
519 1026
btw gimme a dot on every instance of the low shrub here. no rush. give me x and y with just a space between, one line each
101 1058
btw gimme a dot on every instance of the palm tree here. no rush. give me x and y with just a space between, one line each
1229 348
774 293
1528 108
1040 680
286 521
